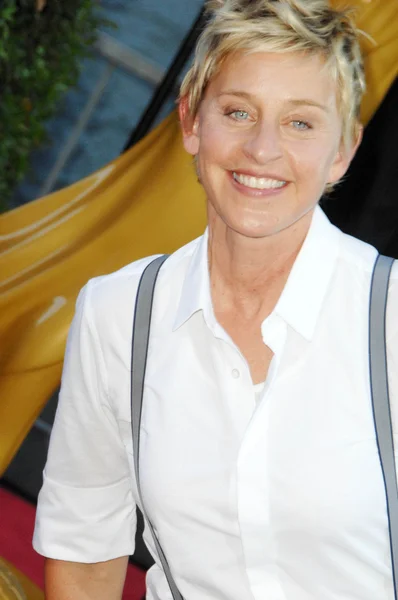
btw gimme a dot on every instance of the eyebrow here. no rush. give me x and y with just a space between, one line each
293 102
308 102
242 94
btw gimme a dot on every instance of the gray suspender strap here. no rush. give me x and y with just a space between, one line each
140 340
378 384
380 399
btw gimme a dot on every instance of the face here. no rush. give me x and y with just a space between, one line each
267 140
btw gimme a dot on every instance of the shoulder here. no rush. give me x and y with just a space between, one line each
357 255
358 258
362 256
110 298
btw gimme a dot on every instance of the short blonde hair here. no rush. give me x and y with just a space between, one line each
310 26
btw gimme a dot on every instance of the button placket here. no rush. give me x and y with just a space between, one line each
274 332
252 477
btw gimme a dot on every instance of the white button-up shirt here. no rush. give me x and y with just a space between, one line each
279 499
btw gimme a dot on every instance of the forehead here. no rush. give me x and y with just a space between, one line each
275 77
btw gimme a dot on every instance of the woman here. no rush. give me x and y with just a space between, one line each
259 466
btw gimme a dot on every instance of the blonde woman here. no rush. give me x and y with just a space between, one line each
259 466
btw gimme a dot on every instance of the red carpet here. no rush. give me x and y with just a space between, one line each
16 529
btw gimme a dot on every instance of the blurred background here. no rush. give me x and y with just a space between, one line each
94 119
102 76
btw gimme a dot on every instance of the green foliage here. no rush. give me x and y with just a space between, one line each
41 46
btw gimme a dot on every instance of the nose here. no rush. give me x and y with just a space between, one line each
263 144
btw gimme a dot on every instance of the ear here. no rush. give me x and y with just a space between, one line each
344 156
189 127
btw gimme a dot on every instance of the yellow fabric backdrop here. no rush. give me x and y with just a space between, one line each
14 585
145 202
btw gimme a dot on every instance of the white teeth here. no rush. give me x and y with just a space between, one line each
259 183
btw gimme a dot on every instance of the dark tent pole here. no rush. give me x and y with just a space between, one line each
168 82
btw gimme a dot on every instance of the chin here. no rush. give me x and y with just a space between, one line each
254 230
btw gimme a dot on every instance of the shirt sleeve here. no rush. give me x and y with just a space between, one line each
86 512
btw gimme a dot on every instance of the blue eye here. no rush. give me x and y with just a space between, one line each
301 125
239 115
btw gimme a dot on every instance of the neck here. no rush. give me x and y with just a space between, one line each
248 274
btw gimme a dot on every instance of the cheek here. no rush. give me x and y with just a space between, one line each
310 161
217 143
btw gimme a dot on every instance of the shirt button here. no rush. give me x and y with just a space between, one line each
235 373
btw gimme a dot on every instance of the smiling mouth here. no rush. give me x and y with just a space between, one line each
258 183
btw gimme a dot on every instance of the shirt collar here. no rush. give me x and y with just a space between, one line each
301 300
195 293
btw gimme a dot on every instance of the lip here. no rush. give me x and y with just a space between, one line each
254 192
